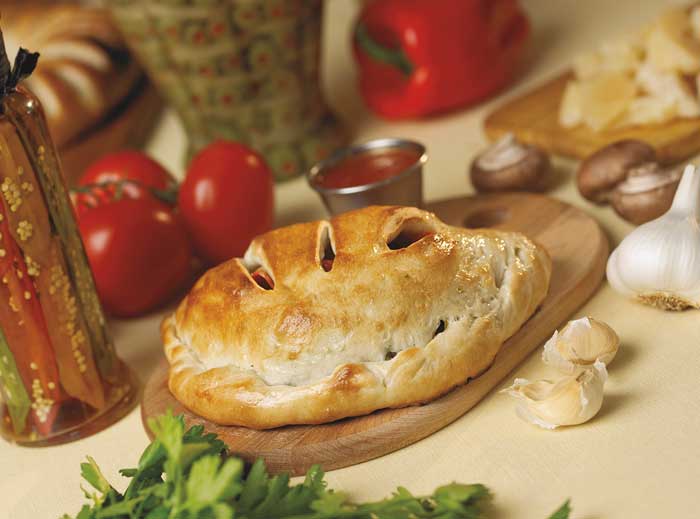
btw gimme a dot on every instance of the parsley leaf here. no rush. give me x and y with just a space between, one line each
92 474
182 475
563 512
208 484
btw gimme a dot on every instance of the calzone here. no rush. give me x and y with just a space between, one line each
379 307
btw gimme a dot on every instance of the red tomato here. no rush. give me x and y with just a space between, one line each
85 198
139 252
129 174
128 165
226 199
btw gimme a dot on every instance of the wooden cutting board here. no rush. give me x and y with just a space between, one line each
533 118
579 251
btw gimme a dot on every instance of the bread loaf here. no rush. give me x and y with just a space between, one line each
84 72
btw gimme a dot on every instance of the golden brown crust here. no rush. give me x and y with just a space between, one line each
321 346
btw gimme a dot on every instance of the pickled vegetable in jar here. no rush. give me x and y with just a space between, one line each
60 377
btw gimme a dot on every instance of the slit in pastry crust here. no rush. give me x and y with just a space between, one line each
409 232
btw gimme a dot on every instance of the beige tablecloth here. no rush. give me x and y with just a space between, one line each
639 458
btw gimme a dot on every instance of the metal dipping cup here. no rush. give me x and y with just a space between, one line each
404 188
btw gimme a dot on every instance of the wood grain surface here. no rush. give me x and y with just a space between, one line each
533 118
579 251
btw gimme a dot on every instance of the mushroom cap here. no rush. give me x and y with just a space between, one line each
598 174
638 205
531 173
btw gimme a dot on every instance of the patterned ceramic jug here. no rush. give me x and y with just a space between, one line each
246 70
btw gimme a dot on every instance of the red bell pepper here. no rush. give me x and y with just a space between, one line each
57 299
26 334
422 57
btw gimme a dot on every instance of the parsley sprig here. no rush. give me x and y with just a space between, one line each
182 475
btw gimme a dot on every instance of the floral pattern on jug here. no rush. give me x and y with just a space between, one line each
246 70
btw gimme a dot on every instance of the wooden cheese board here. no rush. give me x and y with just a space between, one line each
579 251
533 118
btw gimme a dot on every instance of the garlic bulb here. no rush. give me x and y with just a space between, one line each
659 262
580 344
572 400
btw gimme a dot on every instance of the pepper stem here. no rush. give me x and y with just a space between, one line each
395 57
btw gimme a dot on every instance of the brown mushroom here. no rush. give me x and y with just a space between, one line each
598 174
647 193
509 165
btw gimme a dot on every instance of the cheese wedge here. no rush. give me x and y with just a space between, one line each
605 98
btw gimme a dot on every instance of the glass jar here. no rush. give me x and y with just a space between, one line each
60 377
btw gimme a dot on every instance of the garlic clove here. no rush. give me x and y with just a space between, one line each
572 400
580 344
658 263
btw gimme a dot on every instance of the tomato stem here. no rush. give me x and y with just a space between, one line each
168 195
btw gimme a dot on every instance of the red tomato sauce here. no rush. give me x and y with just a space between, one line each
367 167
